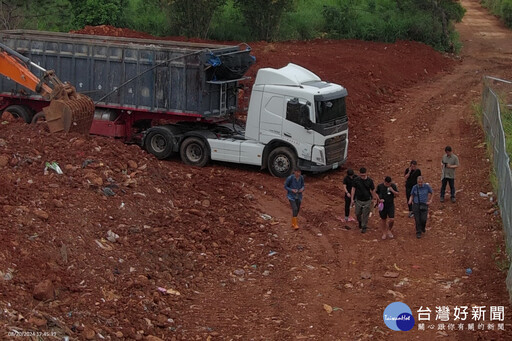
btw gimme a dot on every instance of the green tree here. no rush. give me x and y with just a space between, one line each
191 18
264 16
97 12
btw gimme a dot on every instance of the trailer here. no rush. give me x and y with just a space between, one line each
180 97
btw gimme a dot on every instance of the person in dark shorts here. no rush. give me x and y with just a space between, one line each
411 178
387 191
347 186
363 191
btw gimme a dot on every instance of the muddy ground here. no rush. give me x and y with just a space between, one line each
189 255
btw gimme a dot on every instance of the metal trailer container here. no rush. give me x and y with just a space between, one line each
146 79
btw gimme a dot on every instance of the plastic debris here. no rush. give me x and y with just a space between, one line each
108 192
111 236
381 206
53 166
87 162
265 216
272 253
469 271
483 195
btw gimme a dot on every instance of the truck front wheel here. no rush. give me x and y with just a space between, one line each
194 152
159 142
281 162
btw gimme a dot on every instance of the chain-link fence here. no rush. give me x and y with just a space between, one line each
495 97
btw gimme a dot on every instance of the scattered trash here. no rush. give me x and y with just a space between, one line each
53 166
389 274
469 271
403 282
254 266
239 272
396 294
396 267
381 206
483 195
173 292
265 216
102 246
348 286
121 206
272 253
266 273
87 162
108 192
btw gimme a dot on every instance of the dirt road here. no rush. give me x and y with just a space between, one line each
194 259
323 263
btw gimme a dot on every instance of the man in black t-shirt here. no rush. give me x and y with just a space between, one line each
411 178
387 191
363 191
347 186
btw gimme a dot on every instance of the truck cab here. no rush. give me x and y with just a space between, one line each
300 119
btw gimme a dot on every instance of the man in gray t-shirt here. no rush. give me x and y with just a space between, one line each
449 163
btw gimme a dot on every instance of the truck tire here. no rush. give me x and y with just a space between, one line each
159 142
281 162
20 111
194 152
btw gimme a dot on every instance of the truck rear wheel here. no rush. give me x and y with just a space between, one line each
194 152
159 142
20 111
281 162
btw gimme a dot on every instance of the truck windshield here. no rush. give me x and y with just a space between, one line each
327 111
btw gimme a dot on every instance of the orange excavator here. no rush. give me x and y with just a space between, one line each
68 111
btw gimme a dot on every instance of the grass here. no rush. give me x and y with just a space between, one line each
506 119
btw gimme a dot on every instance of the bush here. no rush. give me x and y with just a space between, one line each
506 12
146 16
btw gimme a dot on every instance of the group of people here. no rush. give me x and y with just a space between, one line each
360 191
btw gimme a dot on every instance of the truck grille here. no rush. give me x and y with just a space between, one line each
335 149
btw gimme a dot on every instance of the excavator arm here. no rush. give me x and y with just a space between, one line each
68 110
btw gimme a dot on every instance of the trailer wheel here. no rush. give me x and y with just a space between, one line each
194 152
281 162
20 111
159 142
40 118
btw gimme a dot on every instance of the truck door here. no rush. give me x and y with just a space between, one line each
296 122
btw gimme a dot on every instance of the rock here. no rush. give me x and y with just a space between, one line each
58 203
161 321
36 321
222 220
89 333
205 203
13 161
2 143
348 286
41 214
327 308
366 275
119 335
132 164
44 291
4 160
389 274
152 338
7 116
94 179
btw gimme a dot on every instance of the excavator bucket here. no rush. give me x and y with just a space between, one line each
69 112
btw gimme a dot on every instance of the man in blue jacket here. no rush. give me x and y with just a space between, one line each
294 184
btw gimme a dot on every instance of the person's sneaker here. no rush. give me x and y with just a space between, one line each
411 214
418 235
390 235
351 219
453 199
346 219
384 237
442 199
363 230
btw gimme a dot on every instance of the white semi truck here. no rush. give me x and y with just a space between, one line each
180 97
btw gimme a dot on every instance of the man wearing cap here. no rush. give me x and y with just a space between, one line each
363 191
294 186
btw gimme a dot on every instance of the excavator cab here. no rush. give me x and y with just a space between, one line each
68 111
